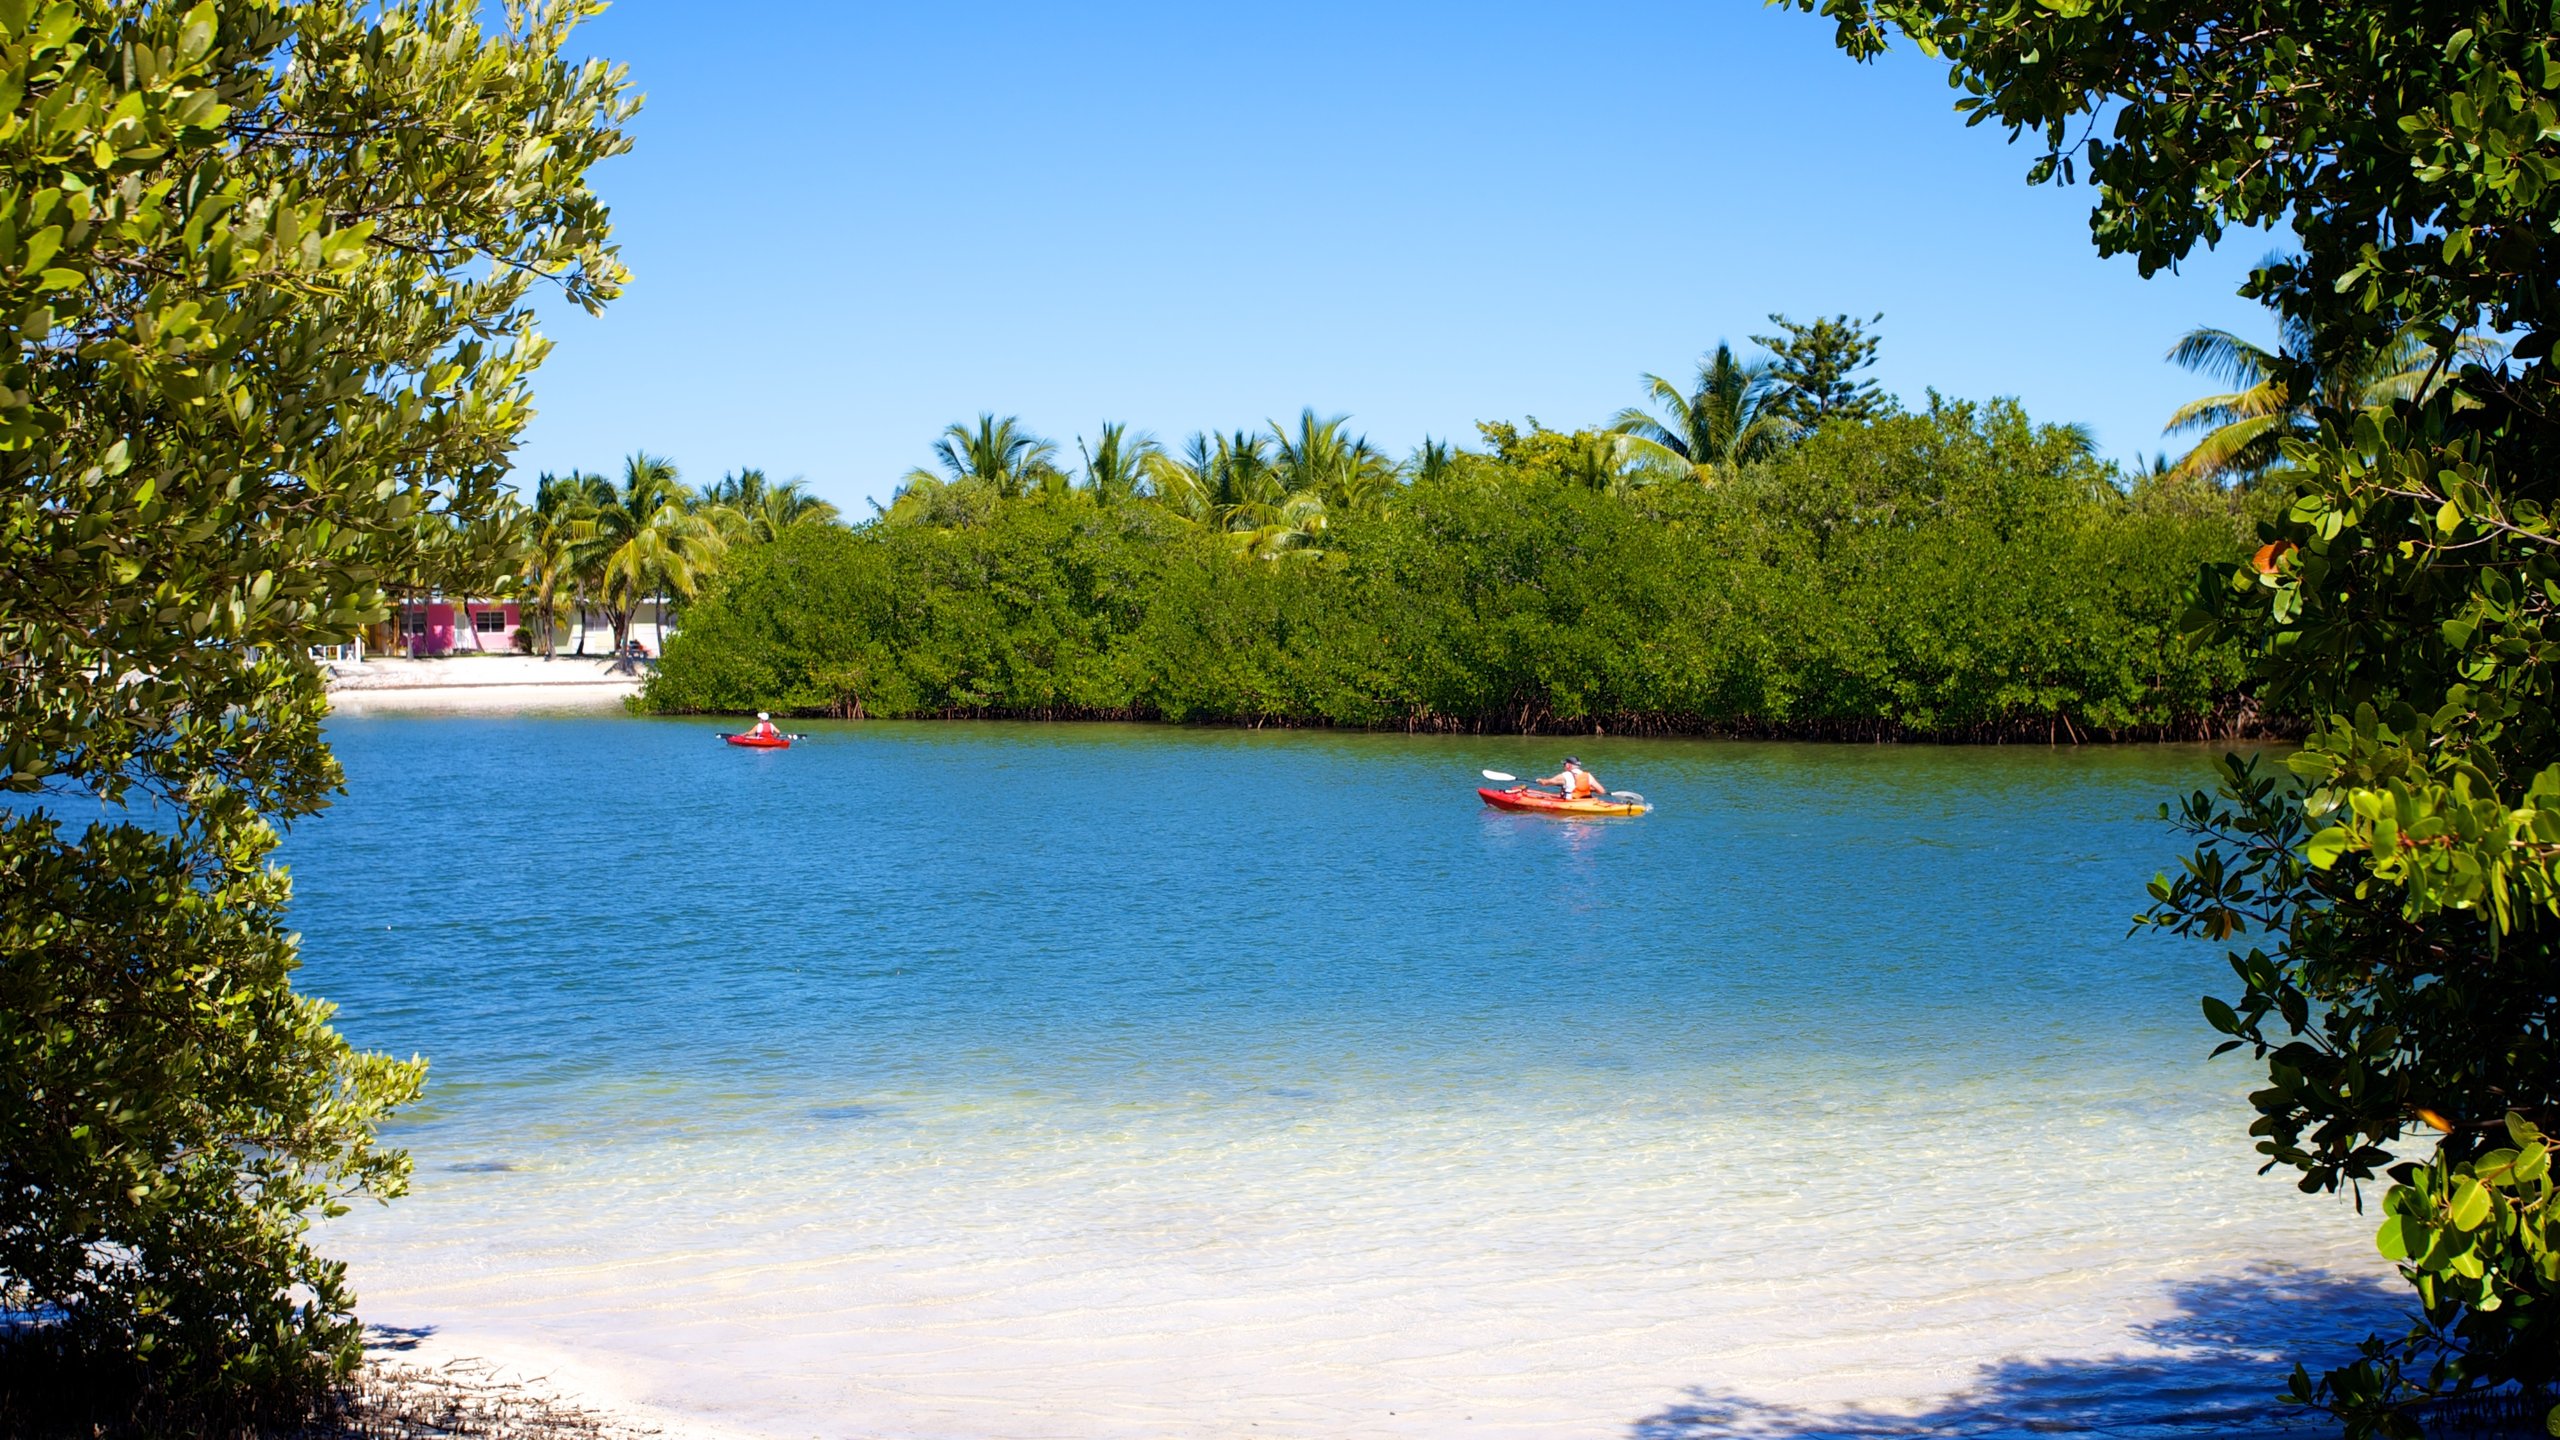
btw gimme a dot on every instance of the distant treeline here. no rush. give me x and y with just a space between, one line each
1954 574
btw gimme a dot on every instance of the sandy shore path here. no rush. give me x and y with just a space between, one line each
483 683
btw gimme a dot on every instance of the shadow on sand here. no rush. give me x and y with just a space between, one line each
2211 1367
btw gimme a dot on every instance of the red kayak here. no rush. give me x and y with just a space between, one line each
1540 803
759 742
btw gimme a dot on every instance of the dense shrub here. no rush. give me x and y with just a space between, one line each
1955 573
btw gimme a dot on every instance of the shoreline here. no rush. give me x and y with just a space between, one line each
1609 728
485 684
420 1375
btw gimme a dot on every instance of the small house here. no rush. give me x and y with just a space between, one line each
442 627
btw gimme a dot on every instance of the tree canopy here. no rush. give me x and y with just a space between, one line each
2403 888
265 275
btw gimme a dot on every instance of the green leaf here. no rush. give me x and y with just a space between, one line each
2326 847
2392 1239
2470 1204
2221 1016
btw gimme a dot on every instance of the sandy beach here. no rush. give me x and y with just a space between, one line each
483 683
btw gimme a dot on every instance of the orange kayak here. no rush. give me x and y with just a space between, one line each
1538 803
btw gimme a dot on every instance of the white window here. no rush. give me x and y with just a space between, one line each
489 622
417 622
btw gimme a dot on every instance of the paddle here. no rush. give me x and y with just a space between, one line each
1497 775
785 734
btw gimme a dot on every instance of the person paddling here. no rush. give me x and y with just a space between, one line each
764 728
1576 782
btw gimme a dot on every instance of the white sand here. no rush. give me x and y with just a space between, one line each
1347 1268
482 683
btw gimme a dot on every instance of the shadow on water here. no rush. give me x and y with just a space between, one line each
2211 1367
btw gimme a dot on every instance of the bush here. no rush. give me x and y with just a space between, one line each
1960 573
332 343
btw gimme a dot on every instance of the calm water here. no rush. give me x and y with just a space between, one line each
976 1080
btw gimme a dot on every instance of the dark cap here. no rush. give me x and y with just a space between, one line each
1569 760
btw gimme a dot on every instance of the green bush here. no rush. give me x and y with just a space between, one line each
1955 573
295 245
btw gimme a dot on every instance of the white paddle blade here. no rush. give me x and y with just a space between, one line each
1497 775
1629 796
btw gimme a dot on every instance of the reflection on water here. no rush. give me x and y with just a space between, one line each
1001 1080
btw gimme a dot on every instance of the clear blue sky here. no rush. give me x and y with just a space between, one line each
851 224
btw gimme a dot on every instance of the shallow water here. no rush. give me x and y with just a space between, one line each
984 1080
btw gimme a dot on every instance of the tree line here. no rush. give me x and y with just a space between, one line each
1772 547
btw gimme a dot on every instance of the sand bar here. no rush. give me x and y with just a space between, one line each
486 683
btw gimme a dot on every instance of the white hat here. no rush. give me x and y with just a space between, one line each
761 715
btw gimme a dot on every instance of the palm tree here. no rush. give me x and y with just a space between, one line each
1219 481
999 454
1435 461
644 539
1726 420
747 506
1114 469
554 528
1320 459
1236 485
564 511
2245 428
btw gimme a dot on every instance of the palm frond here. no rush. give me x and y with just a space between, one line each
2224 356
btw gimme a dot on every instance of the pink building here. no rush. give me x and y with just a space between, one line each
430 626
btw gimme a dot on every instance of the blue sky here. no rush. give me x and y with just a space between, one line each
851 224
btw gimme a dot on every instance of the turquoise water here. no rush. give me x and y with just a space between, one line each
980 1079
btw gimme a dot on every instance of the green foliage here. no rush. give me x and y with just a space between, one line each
748 505
264 275
1812 366
2245 429
1985 580
640 539
999 455
2404 880
1116 468
1729 418
1592 459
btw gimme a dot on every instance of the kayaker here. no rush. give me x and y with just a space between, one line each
764 728
1576 782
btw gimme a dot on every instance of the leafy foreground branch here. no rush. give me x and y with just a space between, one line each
2401 878
265 275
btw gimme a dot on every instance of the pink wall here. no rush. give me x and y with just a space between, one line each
439 637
